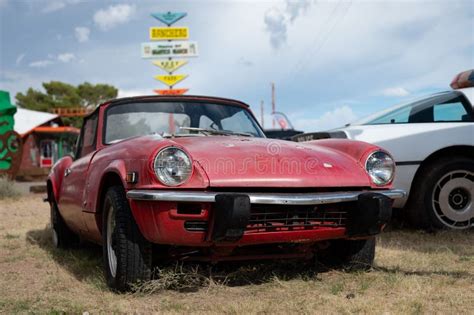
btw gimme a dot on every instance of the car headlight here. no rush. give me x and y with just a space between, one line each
381 168
172 166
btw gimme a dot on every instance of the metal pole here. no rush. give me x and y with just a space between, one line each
273 105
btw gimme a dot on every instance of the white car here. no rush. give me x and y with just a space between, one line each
432 141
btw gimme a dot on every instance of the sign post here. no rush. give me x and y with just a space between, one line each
168 43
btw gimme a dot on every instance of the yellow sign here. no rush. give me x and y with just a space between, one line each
170 80
170 65
169 33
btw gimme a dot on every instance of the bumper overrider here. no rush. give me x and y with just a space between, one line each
233 214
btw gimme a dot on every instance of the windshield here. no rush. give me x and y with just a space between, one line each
178 119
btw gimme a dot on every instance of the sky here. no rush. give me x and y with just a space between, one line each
332 62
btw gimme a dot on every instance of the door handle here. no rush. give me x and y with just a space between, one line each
67 172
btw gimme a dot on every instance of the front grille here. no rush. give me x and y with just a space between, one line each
276 218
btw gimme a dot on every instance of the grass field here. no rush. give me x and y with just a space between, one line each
415 273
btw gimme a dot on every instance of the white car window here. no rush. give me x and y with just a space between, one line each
450 112
397 117
445 107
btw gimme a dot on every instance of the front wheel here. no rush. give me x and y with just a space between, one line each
61 235
127 254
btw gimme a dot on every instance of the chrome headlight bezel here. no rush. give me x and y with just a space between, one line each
387 162
171 160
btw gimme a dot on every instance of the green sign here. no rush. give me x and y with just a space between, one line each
10 143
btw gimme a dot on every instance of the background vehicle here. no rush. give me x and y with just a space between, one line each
432 141
285 130
193 178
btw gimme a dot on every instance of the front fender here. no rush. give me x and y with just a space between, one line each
358 150
97 179
56 176
117 167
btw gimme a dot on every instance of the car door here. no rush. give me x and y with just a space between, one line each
72 199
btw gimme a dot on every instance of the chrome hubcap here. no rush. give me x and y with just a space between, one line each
110 250
453 199
459 198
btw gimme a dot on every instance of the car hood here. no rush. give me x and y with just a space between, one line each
258 162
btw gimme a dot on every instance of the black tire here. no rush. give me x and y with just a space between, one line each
132 251
352 255
424 209
62 236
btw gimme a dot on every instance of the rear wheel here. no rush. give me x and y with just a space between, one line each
352 255
443 197
127 254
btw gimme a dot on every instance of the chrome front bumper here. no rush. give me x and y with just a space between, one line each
260 198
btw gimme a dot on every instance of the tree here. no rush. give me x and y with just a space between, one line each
92 95
63 95
34 100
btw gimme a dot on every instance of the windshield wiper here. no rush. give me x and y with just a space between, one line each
216 132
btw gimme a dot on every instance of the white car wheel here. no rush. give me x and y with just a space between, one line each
453 199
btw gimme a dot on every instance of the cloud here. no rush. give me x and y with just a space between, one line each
53 6
41 63
82 34
275 24
137 92
295 7
114 15
277 21
245 62
329 120
56 5
19 59
20 81
66 57
395 91
3 3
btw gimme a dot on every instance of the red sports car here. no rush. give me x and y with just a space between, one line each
194 178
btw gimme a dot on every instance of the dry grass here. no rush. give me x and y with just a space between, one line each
7 189
416 273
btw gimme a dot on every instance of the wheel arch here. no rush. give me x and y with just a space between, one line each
457 150
55 178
